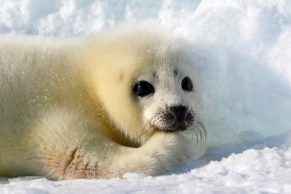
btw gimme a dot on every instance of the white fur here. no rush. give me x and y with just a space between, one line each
67 110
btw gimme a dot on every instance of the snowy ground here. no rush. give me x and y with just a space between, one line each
242 49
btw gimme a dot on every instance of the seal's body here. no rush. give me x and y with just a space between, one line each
96 108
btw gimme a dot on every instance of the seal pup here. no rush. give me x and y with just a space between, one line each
97 107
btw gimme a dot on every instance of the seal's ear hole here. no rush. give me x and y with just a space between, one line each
187 84
143 88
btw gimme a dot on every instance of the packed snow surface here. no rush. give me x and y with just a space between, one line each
241 49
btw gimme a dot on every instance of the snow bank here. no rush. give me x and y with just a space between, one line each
242 52
253 171
243 56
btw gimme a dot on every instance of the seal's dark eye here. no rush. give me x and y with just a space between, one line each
143 88
187 84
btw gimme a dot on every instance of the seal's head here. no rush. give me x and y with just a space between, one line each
165 89
148 84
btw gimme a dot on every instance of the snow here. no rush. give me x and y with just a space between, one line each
265 170
242 51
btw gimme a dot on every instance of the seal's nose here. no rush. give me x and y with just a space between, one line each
177 118
180 113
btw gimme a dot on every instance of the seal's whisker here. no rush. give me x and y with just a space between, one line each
198 132
146 128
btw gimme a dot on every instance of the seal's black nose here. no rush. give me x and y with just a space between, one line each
180 112
177 118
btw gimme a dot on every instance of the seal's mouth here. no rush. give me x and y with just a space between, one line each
191 125
173 128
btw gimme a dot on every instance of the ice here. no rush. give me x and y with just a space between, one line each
242 55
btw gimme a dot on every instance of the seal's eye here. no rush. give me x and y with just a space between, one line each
143 88
187 84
